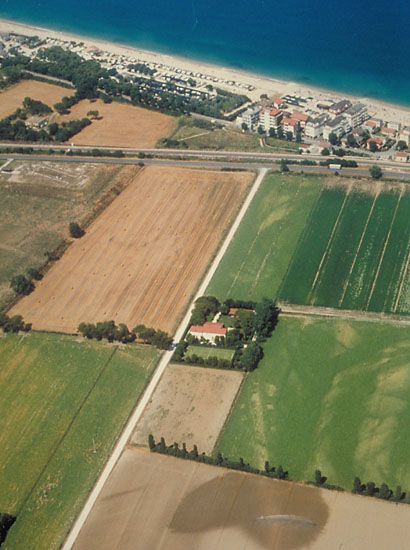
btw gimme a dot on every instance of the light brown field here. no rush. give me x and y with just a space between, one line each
12 98
142 259
190 405
120 125
156 502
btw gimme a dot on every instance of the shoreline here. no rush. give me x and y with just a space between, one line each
261 84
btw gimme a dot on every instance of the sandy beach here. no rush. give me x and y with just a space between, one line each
261 84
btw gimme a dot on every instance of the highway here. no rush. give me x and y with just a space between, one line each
256 164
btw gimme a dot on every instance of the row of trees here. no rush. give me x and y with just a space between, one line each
219 460
36 107
13 324
384 492
110 331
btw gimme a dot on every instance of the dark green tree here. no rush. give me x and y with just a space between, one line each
401 145
151 442
373 146
357 485
260 130
385 492
333 139
398 494
266 317
351 141
244 126
34 274
6 521
21 285
371 489
375 172
272 132
284 166
75 230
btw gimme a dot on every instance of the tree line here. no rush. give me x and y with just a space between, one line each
13 324
182 452
108 330
278 472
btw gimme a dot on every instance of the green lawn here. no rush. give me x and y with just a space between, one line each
205 352
262 248
328 395
63 404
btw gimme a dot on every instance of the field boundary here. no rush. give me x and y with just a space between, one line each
294 310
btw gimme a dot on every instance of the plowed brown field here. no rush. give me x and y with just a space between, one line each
160 502
142 259
119 125
12 98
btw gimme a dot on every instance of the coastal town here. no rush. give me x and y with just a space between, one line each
320 124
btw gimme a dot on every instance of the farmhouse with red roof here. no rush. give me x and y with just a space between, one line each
208 331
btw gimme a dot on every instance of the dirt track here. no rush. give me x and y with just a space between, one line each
156 502
120 125
141 260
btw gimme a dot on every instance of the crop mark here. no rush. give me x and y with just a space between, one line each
328 246
358 249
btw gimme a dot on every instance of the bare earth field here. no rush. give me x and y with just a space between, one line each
120 125
190 406
141 260
12 98
154 502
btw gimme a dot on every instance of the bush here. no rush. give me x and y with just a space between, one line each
21 285
75 230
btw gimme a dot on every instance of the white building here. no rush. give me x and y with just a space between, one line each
208 330
250 117
356 114
314 128
338 126
270 118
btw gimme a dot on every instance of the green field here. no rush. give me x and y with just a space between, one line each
205 352
257 259
331 396
63 404
353 253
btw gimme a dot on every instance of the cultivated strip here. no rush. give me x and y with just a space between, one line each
358 249
383 251
329 243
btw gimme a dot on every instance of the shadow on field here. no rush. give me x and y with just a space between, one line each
274 514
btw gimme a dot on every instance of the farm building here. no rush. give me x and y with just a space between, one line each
208 330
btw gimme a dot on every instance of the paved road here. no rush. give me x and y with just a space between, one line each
256 165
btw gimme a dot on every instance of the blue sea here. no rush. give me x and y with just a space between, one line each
355 46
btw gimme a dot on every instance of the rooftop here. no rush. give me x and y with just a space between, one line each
210 328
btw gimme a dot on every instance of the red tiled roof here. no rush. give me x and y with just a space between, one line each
402 155
388 130
376 140
210 328
370 123
299 116
289 121
278 100
233 310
